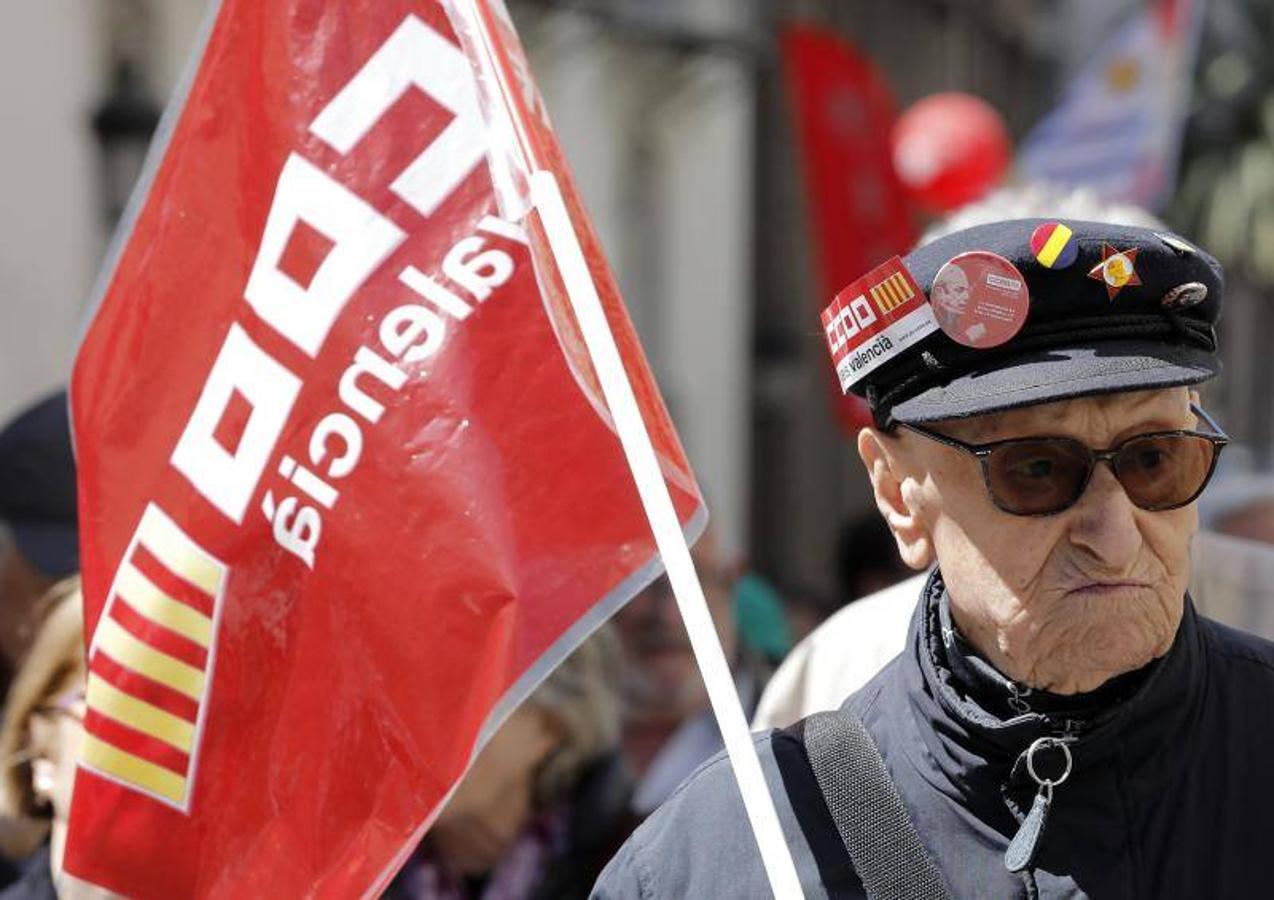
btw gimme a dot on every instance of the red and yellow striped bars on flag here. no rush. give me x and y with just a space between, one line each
150 663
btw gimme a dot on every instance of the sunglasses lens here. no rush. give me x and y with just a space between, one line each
1166 470
1037 477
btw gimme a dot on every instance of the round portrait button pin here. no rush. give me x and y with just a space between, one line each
980 299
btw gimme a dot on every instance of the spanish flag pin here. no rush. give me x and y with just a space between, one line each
1054 245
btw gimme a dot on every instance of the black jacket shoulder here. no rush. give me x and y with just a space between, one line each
1238 646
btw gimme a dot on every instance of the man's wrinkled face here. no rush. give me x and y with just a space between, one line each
1067 601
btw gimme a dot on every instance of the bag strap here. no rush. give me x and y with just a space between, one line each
874 824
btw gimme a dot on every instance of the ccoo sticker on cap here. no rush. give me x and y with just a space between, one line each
874 320
980 299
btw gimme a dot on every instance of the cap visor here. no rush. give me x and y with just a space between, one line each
1060 374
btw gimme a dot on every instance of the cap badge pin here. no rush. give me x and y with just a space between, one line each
1117 269
1054 245
1180 246
980 299
1185 295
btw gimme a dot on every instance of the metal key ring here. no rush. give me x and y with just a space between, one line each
1040 744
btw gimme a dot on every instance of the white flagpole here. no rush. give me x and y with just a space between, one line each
546 196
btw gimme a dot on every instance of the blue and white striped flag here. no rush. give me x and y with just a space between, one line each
1117 129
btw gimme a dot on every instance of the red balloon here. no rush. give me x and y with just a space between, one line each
950 149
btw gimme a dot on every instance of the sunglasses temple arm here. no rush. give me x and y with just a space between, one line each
944 439
1211 422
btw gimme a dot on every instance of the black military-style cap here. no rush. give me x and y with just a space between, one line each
1048 310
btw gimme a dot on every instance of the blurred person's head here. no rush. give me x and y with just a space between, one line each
1240 500
40 544
661 679
867 557
534 761
44 721
1253 521
807 606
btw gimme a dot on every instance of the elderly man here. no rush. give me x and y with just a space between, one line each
1061 723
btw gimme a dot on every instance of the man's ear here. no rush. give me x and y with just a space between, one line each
879 453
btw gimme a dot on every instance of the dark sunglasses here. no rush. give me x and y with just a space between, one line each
1041 476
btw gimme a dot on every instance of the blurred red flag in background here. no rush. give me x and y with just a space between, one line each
858 211
348 490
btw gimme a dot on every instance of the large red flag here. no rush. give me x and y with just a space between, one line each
348 490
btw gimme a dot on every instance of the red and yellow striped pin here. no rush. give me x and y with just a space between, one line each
1054 245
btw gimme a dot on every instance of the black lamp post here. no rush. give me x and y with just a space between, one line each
123 125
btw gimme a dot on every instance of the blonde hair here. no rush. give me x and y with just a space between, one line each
582 697
55 662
